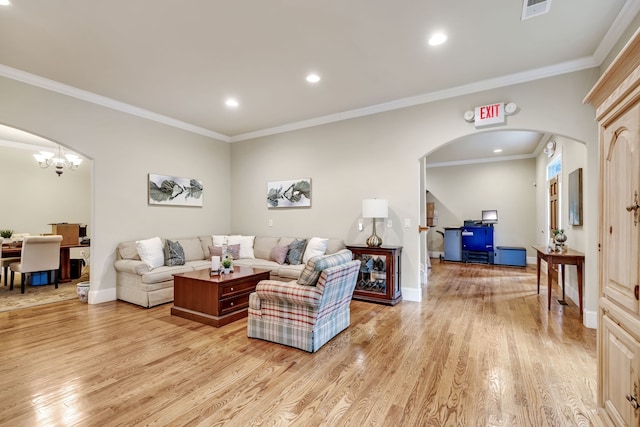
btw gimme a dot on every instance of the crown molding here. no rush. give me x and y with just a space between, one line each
475 161
479 86
630 9
44 83
627 14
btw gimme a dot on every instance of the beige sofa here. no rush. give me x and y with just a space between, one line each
137 283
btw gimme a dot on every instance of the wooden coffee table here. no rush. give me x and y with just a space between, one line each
215 299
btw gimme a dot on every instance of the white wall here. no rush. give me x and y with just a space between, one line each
124 149
380 156
462 192
35 197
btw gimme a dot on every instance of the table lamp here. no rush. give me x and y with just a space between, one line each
374 208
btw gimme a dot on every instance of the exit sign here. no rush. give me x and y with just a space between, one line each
491 114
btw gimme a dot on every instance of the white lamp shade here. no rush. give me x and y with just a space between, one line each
375 208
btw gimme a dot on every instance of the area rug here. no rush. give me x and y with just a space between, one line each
36 295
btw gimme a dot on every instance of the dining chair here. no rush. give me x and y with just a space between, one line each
39 253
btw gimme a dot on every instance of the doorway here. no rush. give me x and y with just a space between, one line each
41 199
514 183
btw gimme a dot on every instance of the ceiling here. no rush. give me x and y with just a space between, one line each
480 147
177 62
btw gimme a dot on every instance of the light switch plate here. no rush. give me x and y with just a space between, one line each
389 223
407 222
360 224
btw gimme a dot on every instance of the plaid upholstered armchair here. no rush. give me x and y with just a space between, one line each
308 313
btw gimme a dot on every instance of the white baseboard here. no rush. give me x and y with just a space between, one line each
590 319
102 295
412 294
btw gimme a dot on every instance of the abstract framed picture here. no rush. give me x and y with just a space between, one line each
575 197
173 190
292 193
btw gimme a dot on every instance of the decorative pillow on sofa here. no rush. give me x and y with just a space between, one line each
173 253
151 252
233 250
296 249
246 245
279 254
128 250
219 240
215 250
222 239
316 264
316 246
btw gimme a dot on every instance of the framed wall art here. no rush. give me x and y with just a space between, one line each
575 197
172 190
289 193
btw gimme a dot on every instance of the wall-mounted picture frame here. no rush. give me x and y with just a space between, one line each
575 197
175 191
291 193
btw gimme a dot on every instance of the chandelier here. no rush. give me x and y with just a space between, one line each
58 159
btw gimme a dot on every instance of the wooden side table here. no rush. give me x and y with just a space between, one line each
568 257
379 276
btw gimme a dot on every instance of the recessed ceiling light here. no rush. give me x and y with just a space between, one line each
498 150
4 3
437 39
231 102
313 78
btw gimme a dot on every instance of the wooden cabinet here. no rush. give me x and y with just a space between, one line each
616 97
620 354
379 276
70 233
620 169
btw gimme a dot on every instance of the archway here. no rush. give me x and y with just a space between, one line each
461 179
39 197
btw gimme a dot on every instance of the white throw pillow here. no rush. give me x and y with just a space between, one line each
219 240
315 246
151 251
246 245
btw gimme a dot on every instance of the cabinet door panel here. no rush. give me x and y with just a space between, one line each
621 155
621 357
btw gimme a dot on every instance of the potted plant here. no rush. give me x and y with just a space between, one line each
560 238
226 263
6 234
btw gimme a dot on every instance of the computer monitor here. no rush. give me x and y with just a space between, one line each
490 216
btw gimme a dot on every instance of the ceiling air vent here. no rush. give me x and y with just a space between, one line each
531 8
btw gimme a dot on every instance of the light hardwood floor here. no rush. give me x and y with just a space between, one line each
480 350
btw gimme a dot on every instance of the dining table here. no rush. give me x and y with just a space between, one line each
11 250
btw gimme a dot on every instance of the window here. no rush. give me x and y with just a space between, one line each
554 168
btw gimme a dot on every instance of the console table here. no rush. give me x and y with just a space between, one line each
379 276
568 257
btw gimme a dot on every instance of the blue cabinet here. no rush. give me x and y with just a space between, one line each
510 255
